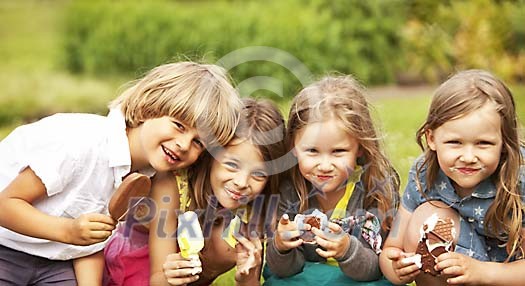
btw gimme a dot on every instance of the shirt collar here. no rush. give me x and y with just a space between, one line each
118 143
485 189
119 156
119 153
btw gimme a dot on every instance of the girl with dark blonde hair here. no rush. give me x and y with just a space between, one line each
472 172
341 171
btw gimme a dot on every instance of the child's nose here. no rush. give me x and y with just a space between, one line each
240 180
468 155
325 165
183 143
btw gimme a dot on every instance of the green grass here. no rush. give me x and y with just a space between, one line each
399 119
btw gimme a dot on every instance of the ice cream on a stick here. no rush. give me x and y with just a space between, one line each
437 237
189 235
133 185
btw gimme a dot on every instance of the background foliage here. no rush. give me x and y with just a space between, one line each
72 56
379 41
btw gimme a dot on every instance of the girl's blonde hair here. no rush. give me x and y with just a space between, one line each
342 98
261 124
463 93
200 95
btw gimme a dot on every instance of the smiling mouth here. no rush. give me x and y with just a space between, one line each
323 178
235 195
466 170
172 157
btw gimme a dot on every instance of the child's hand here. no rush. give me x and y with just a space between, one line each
335 241
249 257
89 229
181 271
406 271
287 236
462 269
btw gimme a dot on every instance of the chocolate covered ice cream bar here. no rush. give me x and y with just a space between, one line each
437 237
316 219
133 186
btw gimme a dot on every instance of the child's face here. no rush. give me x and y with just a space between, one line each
468 148
238 174
326 154
169 144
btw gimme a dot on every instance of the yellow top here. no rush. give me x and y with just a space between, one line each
340 208
189 243
182 184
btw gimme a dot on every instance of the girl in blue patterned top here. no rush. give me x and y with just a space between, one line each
471 171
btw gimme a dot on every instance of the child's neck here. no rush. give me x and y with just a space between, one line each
461 192
135 149
328 201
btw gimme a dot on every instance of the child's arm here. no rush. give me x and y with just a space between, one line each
89 269
163 227
390 259
18 214
282 254
465 270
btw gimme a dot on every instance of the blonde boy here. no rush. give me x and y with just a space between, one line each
57 174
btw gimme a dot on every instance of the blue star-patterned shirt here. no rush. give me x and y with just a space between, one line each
472 209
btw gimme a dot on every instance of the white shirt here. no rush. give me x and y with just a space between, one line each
80 158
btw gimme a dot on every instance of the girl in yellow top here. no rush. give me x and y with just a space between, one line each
230 188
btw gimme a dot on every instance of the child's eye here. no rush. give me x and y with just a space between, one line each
199 143
178 125
453 142
311 150
231 165
338 151
485 143
259 175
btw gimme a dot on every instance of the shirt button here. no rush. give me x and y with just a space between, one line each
470 219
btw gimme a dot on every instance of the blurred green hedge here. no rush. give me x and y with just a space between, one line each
126 36
379 41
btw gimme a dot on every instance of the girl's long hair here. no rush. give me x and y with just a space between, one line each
342 98
463 93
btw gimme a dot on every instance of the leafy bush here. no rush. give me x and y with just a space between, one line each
465 34
121 37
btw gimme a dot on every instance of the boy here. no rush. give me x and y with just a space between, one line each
58 174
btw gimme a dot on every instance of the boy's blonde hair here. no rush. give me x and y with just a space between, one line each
463 93
342 98
200 95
